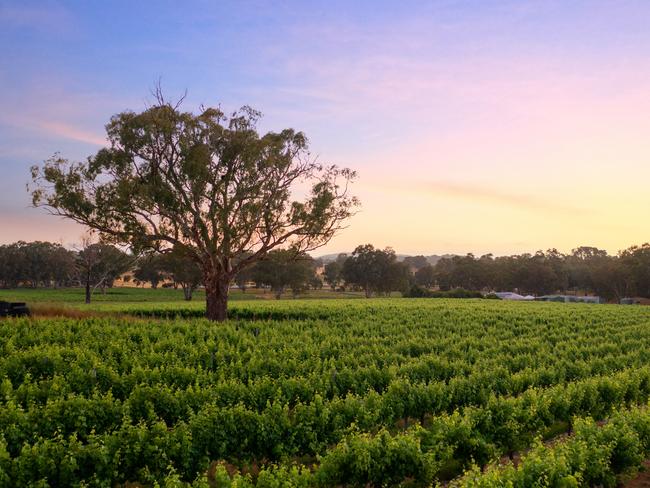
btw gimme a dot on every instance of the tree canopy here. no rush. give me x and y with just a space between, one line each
375 270
282 269
183 271
100 264
333 271
35 264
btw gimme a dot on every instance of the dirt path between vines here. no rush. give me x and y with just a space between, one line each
642 480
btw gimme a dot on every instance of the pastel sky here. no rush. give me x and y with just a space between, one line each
499 126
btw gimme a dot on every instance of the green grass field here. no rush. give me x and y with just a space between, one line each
321 392
146 301
117 299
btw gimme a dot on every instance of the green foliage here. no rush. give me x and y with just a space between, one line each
182 270
418 292
425 276
149 269
377 392
594 456
99 265
375 271
36 264
333 272
378 460
284 268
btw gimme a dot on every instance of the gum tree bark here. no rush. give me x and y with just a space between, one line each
216 296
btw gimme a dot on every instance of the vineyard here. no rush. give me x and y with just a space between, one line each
321 393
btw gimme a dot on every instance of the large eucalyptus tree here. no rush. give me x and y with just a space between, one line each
207 184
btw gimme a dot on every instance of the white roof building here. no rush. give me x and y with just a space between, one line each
508 295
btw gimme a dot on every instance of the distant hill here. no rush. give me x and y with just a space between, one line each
433 259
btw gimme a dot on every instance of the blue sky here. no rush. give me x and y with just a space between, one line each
501 126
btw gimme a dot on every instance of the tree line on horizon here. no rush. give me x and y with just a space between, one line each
94 266
376 272
586 269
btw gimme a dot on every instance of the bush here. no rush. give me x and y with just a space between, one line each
419 292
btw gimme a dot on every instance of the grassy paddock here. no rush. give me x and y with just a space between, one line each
70 301
133 294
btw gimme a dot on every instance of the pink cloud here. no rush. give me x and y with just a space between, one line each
62 110
475 193
70 132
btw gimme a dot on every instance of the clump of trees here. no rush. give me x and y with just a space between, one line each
375 271
333 272
281 269
417 291
425 276
36 264
98 266
149 269
182 271
49 265
585 269
173 268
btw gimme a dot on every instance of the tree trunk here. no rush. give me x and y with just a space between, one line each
88 288
278 292
187 292
216 296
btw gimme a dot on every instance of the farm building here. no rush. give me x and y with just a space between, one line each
508 295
